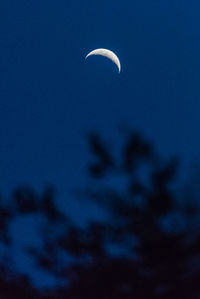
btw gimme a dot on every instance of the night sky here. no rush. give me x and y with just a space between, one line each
50 96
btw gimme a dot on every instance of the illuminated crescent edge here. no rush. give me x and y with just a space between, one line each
107 53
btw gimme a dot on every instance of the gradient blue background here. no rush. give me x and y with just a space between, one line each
50 96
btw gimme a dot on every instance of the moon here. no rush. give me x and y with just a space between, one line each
107 53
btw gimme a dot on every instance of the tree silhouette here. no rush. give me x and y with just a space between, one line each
158 262
142 249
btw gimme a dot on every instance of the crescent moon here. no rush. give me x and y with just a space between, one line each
107 53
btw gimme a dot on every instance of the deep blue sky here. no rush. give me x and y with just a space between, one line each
50 95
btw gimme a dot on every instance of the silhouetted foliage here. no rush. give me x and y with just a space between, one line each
104 160
138 251
26 200
157 261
